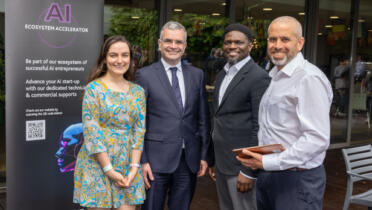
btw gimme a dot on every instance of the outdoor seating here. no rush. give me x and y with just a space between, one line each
358 162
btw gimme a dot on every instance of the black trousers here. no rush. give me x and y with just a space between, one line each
291 190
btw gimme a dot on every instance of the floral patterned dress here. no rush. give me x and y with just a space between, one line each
113 122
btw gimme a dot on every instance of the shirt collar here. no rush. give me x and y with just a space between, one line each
238 65
290 67
167 66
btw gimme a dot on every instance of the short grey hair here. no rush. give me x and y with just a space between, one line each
288 19
173 25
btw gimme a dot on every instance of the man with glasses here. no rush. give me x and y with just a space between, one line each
294 112
238 91
177 124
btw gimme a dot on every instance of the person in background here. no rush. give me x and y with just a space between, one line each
107 173
177 123
341 77
294 112
239 88
137 56
360 69
266 63
214 64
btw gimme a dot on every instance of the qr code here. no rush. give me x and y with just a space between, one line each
35 130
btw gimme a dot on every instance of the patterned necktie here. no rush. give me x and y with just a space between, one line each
176 87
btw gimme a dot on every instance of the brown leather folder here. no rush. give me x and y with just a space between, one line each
266 149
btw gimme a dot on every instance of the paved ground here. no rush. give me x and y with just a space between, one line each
206 197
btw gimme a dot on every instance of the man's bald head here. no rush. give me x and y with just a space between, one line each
284 40
297 28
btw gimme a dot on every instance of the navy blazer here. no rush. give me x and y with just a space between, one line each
166 126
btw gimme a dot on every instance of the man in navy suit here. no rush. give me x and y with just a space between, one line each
177 124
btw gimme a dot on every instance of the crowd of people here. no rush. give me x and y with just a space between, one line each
147 141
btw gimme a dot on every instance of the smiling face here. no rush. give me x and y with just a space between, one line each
172 45
282 43
118 58
236 46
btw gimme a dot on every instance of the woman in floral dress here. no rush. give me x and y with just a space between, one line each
107 173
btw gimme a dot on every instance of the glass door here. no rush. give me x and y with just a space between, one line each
361 100
333 53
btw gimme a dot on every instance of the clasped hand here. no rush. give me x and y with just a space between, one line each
120 180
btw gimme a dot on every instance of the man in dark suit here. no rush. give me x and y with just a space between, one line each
177 124
238 91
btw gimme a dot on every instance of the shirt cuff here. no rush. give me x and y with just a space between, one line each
249 177
271 162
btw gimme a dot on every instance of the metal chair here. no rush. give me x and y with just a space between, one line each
358 162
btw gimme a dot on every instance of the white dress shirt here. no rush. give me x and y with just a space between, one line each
294 111
179 76
231 71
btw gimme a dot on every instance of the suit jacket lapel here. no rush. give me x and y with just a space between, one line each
187 81
237 79
216 94
166 84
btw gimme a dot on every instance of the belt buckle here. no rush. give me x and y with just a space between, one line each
297 169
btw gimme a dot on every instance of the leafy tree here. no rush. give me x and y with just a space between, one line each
204 33
139 26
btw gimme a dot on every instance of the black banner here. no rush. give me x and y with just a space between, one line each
49 50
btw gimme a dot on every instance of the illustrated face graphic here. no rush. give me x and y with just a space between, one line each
69 145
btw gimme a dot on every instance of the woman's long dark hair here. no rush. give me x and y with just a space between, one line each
100 67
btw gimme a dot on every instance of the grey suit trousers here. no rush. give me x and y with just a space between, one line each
228 196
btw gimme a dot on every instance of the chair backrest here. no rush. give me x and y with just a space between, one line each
358 160
359 101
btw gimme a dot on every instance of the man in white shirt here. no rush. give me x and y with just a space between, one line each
294 112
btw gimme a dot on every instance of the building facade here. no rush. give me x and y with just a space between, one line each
338 37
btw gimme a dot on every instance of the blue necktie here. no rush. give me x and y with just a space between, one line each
176 87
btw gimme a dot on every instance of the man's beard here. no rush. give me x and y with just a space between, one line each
284 61
232 61
280 62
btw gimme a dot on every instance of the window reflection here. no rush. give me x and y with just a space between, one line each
205 22
137 21
204 27
362 94
258 14
333 54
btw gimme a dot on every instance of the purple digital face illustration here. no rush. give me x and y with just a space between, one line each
69 145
